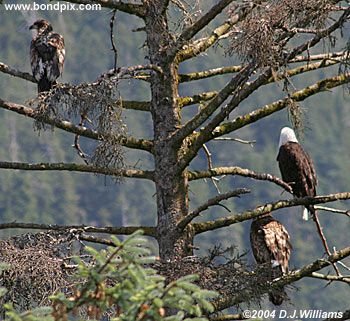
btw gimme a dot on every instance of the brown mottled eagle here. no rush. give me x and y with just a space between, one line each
297 168
46 55
271 245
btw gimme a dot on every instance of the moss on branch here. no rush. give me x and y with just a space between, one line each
129 142
267 110
130 173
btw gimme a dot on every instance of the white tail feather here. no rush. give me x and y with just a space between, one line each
306 214
275 263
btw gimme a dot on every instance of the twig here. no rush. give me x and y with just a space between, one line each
323 239
341 263
333 210
76 144
211 202
238 140
210 166
111 25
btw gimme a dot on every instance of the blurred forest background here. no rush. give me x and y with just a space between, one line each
75 198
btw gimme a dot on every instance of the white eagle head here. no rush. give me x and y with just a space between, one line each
287 135
41 26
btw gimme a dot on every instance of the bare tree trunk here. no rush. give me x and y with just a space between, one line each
171 183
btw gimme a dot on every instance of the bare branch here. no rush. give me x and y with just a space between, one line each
246 88
267 110
114 48
136 105
202 22
238 140
130 70
331 278
129 142
195 48
326 56
130 173
325 33
191 100
329 57
134 9
13 72
226 301
127 230
235 170
209 73
267 208
211 202
214 104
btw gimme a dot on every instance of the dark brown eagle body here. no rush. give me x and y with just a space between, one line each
271 246
297 168
47 53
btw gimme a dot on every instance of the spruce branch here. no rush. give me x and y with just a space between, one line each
266 208
73 167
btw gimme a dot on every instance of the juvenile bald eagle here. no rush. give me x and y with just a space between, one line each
297 168
46 55
271 246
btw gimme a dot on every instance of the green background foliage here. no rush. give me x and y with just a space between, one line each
71 198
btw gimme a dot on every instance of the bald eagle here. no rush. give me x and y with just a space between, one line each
46 55
297 168
271 245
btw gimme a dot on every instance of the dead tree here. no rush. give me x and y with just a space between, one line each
275 40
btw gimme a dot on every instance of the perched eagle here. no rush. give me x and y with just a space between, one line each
297 168
271 245
46 55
